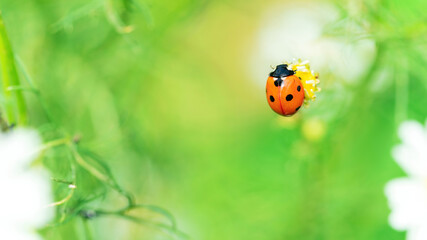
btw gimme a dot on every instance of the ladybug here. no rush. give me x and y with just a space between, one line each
285 93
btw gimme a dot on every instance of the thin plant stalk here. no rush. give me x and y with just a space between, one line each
15 106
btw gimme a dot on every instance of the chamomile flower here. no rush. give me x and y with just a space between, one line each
407 196
25 191
297 30
309 78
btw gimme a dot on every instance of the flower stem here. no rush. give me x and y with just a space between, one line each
15 106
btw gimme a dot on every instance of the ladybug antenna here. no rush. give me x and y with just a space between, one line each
281 71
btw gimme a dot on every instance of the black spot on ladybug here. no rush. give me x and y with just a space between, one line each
271 98
299 88
278 82
297 108
289 97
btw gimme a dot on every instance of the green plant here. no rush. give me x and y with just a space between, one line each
84 177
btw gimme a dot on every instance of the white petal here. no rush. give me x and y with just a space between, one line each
408 202
411 155
419 233
17 234
25 192
17 149
25 199
413 133
348 61
412 160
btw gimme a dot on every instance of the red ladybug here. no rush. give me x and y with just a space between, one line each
285 93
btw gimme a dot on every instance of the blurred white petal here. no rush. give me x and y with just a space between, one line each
29 194
295 31
25 191
411 132
408 201
18 234
419 233
17 149
411 155
407 197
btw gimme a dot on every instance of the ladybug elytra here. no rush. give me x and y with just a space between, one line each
285 92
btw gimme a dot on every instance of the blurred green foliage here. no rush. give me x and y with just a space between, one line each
161 92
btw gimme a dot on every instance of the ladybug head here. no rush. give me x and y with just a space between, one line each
281 71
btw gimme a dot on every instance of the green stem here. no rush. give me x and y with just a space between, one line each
88 230
10 79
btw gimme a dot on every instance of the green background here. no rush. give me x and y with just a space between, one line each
174 110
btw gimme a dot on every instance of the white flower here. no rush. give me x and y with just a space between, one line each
407 196
25 192
294 31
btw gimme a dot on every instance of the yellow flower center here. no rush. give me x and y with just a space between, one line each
309 79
